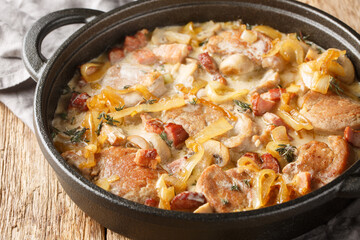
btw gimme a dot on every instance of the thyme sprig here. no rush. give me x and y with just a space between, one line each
164 137
99 127
287 151
243 106
150 101
109 120
75 134
235 187
334 86
120 107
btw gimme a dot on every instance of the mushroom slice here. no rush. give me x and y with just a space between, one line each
205 208
138 142
349 72
217 152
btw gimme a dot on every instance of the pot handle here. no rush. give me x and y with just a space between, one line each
350 187
33 59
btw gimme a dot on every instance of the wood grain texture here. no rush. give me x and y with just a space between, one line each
32 202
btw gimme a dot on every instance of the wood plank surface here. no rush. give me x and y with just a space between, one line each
32 202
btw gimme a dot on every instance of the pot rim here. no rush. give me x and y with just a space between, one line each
313 199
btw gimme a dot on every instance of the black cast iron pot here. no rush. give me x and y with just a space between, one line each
134 220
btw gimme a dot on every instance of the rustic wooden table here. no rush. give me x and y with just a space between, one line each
32 203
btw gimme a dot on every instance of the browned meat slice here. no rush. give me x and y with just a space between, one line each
124 75
323 162
147 158
352 136
229 42
330 113
225 191
135 182
171 53
192 118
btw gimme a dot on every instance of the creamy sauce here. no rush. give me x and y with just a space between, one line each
186 75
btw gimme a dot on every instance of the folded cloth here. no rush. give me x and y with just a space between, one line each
17 88
16 18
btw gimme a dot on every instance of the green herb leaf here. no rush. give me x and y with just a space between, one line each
98 129
247 182
126 86
150 101
54 132
75 134
302 37
164 137
65 90
193 101
334 86
225 201
248 26
203 43
287 151
63 116
235 187
109 120
119 108
243 106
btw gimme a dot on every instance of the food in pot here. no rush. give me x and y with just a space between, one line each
211 117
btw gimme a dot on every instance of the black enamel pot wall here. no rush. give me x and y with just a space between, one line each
102 30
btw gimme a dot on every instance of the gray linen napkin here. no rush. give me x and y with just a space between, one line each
17 88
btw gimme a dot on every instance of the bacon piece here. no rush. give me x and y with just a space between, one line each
187 201
176 165
115 55
273 94
273 119
208 63
352 136
260 105
269 162
135 42
152 124
176 133
151 202
78 101
171 53
147 158
145 56
302 183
